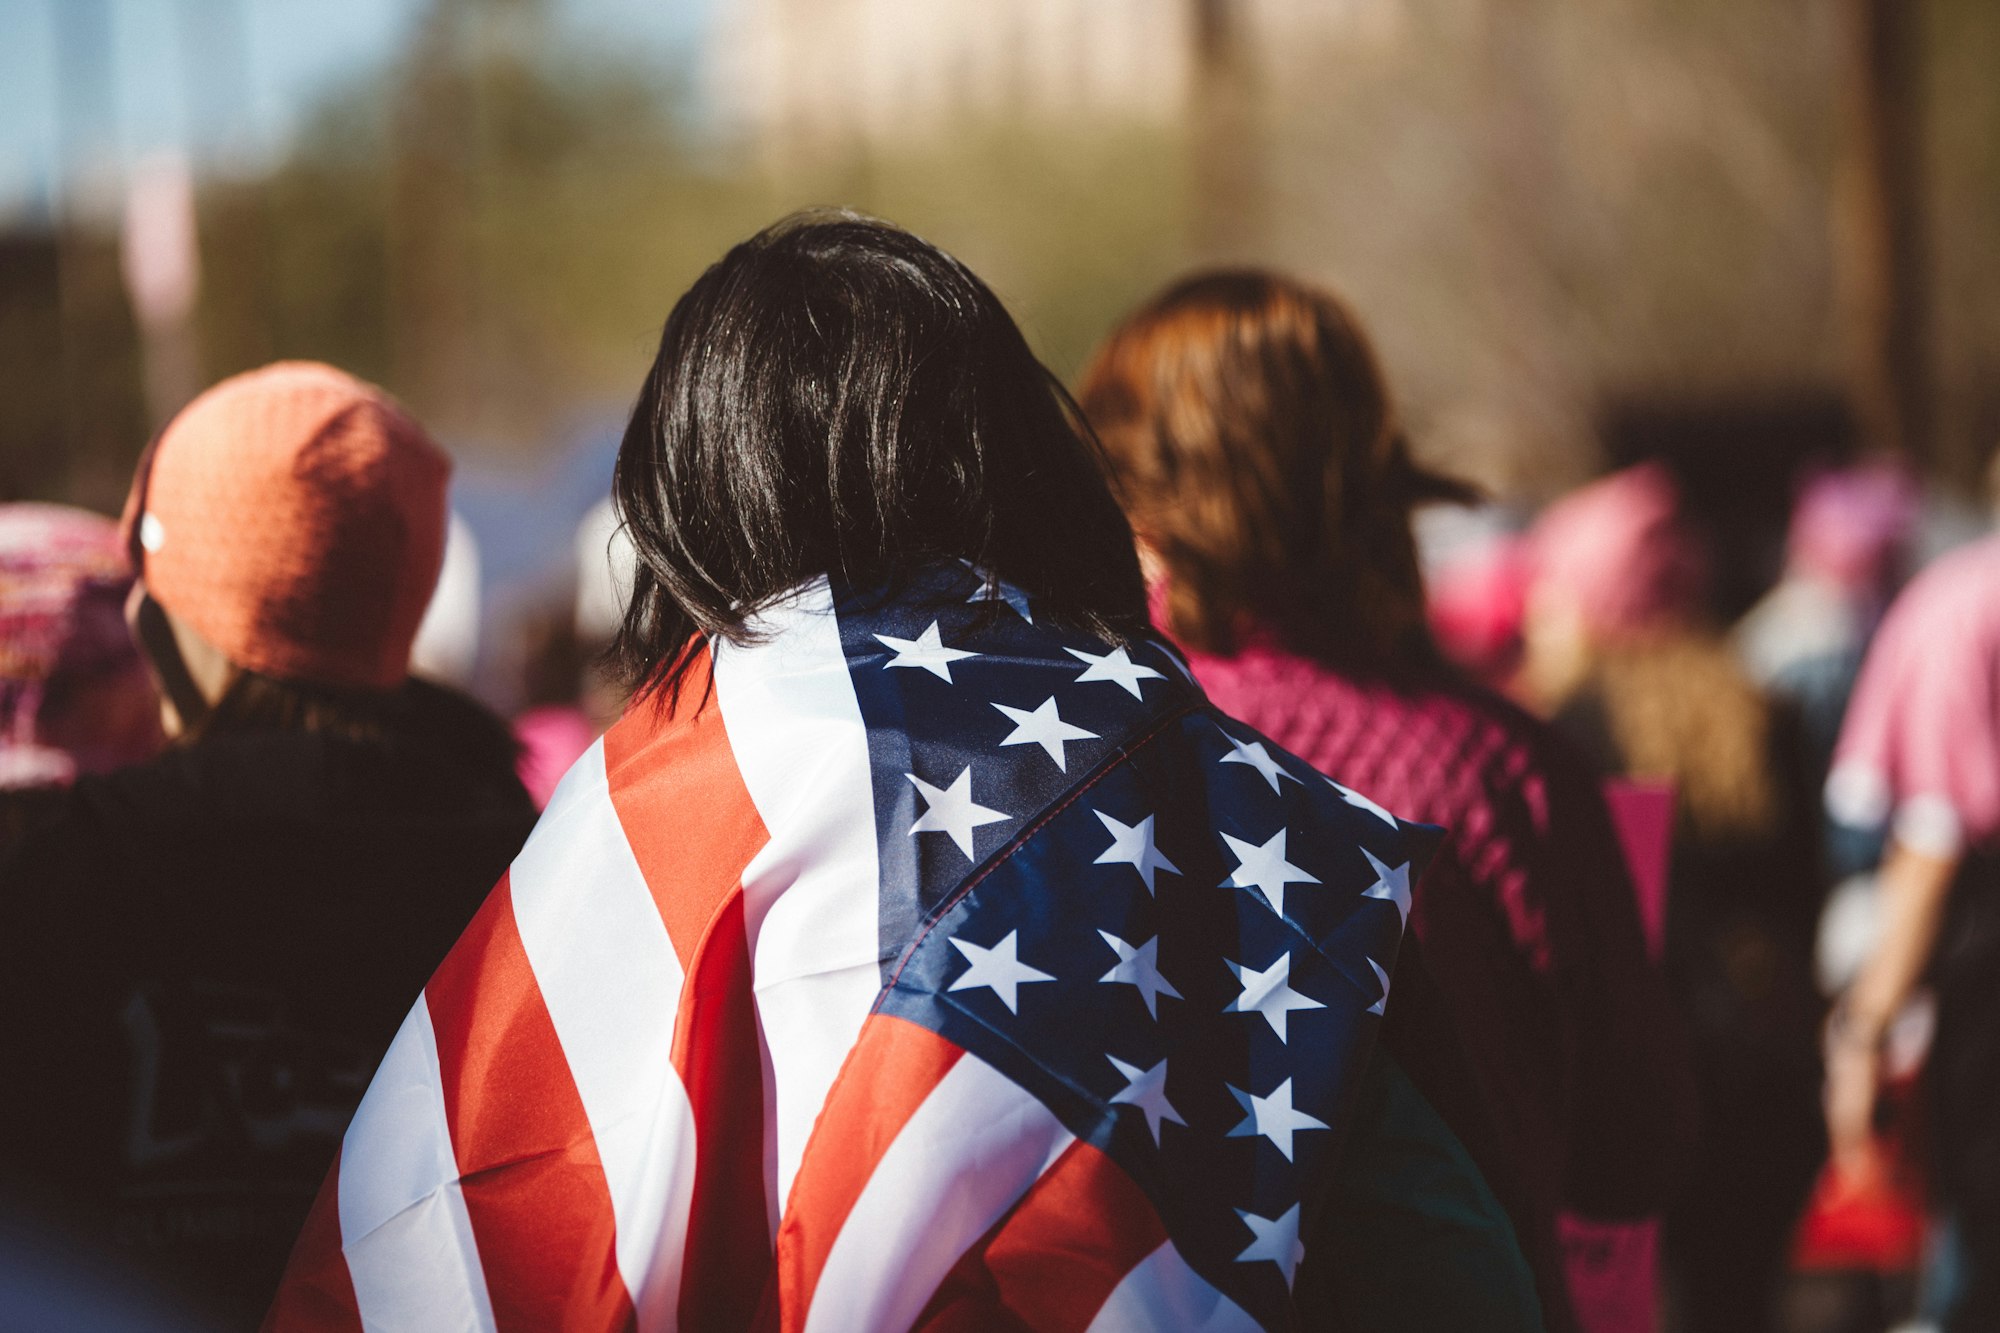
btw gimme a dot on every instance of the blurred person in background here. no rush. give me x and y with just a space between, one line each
554 727
1619 651
204 955
1919 756
606 565
1846 553
1848 548
571 688
1475 573
74 696
446 648
898 958
1255 445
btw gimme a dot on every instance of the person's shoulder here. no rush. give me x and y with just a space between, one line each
1318 706
1508 783
1962 579
1462 752
1541 745
1975 561
81 833
1442 702
163 788
1500 743
456 728
1477 709
1948 613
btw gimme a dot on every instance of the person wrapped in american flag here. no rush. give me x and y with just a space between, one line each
921 949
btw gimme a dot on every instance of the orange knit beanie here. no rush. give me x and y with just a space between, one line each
294 517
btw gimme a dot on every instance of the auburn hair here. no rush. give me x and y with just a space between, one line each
1258 454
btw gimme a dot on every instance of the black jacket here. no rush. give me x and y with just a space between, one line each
202 959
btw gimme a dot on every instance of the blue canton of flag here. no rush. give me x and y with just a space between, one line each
1173 934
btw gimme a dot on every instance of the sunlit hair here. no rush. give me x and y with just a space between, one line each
1258 453
1681 711
836 396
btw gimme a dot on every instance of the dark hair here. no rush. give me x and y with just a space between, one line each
255 702
836 396
1258 451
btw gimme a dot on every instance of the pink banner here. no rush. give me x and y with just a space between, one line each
1643 813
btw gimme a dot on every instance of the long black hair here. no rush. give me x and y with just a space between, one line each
836 396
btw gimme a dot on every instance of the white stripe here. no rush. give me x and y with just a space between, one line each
612 984
1162 1292
403 1225
810 896
971 1149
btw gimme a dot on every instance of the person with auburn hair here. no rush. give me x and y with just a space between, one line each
1258 453
203 955
920 949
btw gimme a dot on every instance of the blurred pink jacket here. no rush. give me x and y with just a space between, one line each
1921 744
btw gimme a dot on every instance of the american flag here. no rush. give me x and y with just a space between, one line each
925 966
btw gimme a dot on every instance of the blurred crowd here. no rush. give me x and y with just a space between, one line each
1717 929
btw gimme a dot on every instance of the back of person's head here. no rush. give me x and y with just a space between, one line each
291 523
838 397
1616 613
1852 526
1620 557
74 697
1258 452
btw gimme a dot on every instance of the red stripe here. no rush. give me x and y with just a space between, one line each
1056 1257
682 803
693 829
317 1292
891 1070
534 1187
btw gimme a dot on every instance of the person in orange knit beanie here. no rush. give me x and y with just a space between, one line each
291 520
203 956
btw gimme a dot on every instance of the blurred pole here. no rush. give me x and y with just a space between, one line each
498 31
83 121
162 267
428 203
1879 247
1227 211
216 69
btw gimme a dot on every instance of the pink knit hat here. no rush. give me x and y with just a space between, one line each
1620 552
1852 526
68 667
294 517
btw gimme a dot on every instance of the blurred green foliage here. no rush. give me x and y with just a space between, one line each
1537 205
498 235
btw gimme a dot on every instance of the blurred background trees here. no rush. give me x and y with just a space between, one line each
1550 210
